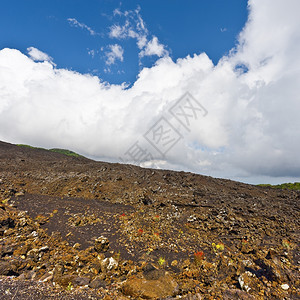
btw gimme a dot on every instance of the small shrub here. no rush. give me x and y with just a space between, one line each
218 247
70 286
286 244
161 261
198 256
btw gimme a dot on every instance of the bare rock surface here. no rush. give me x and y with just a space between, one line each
73 228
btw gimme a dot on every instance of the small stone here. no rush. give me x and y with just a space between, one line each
245 281
174 263
58 270
76 246
46 277
65 280
285 286
44 249
81 281
109 264
271 254
22 222
101 244
33 254
19 194
7 250
97 283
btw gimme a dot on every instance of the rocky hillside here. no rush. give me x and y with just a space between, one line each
73 228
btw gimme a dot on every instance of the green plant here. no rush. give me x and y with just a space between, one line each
161 261
70 286
218 247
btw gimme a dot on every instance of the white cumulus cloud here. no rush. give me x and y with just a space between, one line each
251 131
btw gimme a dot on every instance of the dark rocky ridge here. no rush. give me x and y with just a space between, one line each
204 237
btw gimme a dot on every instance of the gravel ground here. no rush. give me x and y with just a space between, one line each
14 289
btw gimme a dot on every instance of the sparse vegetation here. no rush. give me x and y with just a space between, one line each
286 186
198 257
218 247
161 261
57 150
31 147
70 286
65 152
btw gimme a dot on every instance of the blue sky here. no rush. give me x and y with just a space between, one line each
195 27
99 77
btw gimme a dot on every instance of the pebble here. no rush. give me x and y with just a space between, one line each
285 286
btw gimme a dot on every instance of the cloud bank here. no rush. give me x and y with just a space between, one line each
252 96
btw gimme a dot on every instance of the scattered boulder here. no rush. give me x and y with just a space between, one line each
108 264
151 273
150 289
236 294
248 281
101 244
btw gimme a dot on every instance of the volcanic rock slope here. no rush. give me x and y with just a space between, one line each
73 228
